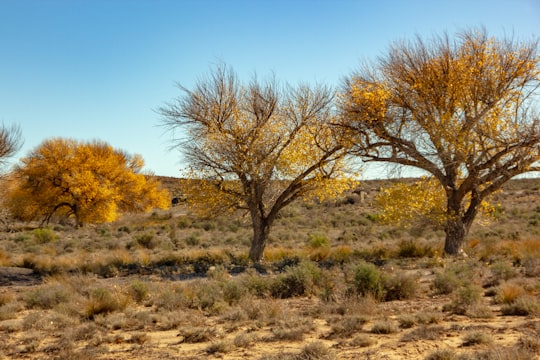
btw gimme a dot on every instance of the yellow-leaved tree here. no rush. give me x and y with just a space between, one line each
257 147
463 110
90 182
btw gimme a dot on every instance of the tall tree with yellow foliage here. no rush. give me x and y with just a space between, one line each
463 110
257 147
88 181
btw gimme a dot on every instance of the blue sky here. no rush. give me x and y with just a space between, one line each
99 69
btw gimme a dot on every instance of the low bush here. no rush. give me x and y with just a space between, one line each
509 292
523 306
44 235
139 291
318 240
197 334
476 338
103 301
443 354
368 280
412 249
347 326
400 286
424 332
301 280
445 282
384 327
47 296
315 351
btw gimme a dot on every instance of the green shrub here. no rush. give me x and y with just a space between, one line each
316 241
465 298
503 270
139 291
451 278
300 280
255 283
193 240
44 235
233 292
368 280
146 240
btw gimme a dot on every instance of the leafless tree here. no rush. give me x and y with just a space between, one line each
10 142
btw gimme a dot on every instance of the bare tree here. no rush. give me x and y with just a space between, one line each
10 142
462 110
256 147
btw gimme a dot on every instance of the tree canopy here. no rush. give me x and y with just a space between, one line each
257 147
88 181
461 109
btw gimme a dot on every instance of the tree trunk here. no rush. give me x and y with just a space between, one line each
455 236
455 228
261 229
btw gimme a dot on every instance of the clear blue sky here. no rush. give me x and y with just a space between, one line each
99 69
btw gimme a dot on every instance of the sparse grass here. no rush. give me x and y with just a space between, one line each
347 326
476 338
102 301
316 351
522 306
221 347
424 332
465 298
197 334
47 296
244 339
400 286
509 292
384 327
442 354
362 340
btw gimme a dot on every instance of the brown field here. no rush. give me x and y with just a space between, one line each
335 284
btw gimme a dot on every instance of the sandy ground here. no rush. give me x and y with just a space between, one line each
450 331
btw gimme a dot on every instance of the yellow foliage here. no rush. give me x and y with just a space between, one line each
89 181
421 202
406 204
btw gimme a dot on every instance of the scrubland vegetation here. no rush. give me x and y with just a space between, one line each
256 261
334 284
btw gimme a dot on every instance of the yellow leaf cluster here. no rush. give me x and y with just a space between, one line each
407 204
424 201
